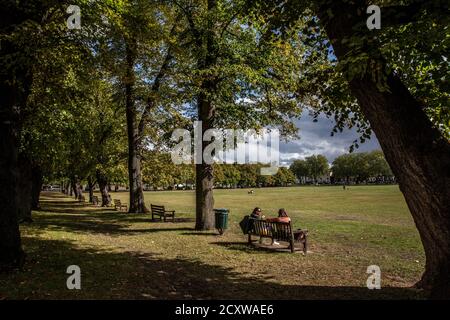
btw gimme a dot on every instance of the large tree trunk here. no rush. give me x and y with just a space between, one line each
204 197
91 184
73 188
24 190
11 253
76 188
204 181
103 185
15 81
79 189
36 187
137 204
416 151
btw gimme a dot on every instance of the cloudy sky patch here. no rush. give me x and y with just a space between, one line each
315 138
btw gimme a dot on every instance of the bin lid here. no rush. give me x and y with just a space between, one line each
222 210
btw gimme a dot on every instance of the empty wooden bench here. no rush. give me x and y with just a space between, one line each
95 201
119 205
162 212
281 231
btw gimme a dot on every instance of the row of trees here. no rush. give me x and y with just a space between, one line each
159 171
137 69
312 167
357 167
133 71
360 167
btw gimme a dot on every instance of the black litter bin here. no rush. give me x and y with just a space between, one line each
221 219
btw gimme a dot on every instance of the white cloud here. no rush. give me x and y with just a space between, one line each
315 138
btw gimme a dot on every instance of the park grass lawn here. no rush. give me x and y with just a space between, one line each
124 256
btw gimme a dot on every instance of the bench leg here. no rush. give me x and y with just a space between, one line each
305 246
249 238
292 246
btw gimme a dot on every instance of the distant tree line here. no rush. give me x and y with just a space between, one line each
159 172
362 167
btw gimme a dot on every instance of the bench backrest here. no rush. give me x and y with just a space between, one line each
157 209
117 202
278 230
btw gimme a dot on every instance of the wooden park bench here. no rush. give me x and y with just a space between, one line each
118 204
281 231
162 212
95 201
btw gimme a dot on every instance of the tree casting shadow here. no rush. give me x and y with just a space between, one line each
131 275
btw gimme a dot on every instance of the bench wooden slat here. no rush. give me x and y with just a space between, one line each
275 230
118 204
161 211
95 200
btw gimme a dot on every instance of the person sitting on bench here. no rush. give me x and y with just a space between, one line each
299 234
282 217
257 214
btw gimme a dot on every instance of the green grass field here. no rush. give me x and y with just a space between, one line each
125 256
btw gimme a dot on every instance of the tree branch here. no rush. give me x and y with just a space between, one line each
154 89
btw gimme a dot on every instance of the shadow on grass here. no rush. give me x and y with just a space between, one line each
133 275
169 220
53 194
73 207
256 247
91 223
84 218
200 233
